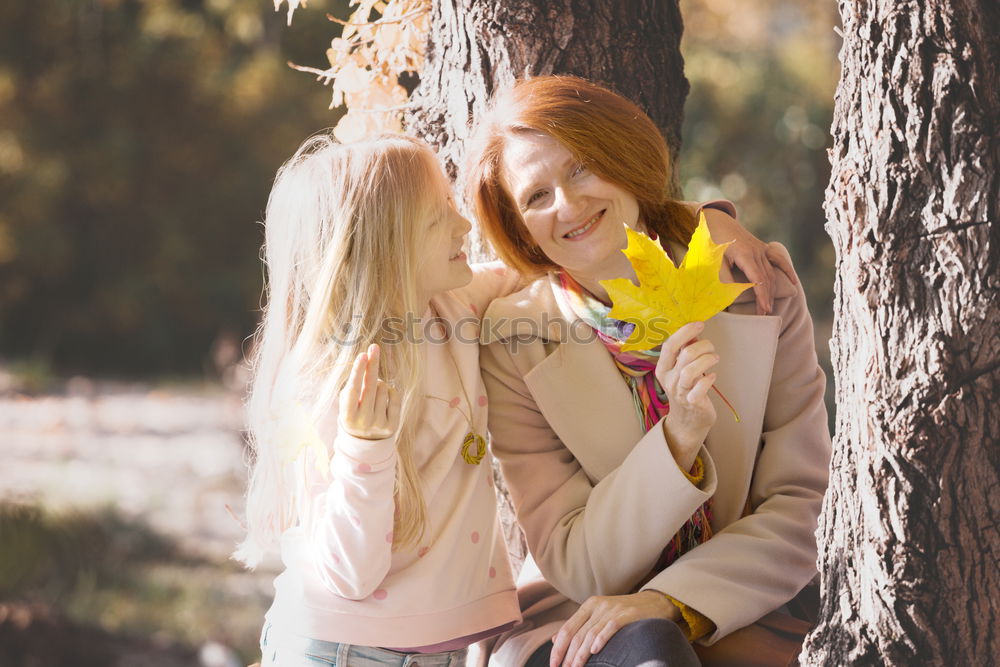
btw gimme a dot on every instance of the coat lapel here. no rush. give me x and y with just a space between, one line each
746 345
580 391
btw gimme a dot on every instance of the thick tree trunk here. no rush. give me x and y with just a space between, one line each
909 537
476 47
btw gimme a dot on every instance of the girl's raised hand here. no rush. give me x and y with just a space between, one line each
369 407
684 373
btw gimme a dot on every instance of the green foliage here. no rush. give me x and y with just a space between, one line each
52 555
103 570
138 141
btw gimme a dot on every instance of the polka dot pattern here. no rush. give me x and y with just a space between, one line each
454 402
493 573
380 594
475 537
422 551
364 467
356 520
482 400
388 537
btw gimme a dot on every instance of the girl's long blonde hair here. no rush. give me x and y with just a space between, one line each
341 250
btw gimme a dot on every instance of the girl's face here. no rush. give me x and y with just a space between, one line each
443 264
575 217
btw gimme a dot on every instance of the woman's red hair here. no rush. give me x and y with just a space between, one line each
609 134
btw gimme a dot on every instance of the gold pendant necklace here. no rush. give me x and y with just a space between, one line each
473 445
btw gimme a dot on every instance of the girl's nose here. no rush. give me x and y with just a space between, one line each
462 225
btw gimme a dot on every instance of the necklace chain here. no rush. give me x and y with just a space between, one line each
473 445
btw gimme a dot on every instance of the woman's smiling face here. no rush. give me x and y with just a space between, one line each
574 216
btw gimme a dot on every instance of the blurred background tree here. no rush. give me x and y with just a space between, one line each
138 141
756 128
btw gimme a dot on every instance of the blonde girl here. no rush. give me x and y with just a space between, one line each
367 416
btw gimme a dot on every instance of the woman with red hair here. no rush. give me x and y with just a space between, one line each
648 512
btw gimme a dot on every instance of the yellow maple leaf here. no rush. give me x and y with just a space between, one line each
668 297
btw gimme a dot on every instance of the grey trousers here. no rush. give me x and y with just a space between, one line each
651 642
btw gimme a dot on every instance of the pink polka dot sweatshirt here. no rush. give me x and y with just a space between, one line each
342 581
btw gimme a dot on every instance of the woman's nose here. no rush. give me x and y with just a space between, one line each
569 203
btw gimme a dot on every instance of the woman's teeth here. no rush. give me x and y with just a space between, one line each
580 230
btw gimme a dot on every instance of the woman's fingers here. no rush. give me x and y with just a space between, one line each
673 346
597 620
606 632
563 639
693 351
579 648
699 392
695 369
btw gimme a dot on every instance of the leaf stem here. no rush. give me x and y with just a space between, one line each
725 400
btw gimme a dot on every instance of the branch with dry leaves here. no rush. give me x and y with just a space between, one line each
381 41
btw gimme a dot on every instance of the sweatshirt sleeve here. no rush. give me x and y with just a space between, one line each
349 519
490 280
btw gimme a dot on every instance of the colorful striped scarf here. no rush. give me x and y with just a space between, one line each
648 397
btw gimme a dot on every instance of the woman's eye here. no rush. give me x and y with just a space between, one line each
579 169
535 197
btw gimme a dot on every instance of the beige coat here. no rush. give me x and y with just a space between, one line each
598 499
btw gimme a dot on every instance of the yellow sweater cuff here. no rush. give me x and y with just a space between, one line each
695 625
697 472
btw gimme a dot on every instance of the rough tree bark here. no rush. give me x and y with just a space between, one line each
476 47
909 534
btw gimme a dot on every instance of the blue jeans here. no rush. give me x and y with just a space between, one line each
283 650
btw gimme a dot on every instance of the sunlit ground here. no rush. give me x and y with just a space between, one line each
114 532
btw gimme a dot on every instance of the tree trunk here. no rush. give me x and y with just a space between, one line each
477 47
909 534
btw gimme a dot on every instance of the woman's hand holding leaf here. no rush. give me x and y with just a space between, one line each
684 372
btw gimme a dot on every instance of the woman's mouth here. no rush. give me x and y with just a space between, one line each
585 227
457 256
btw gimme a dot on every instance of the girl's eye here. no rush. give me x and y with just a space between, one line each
579 169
